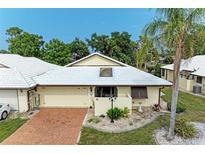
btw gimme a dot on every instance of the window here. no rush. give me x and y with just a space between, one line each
199 79
105 72
163 72
105 91
139 92
191 77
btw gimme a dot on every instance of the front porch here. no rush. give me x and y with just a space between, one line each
123 97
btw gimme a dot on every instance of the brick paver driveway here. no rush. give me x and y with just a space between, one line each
50 126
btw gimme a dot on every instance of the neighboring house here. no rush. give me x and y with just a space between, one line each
192 73
16 84
92 80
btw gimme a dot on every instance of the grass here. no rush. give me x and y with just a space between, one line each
195 106
195 111
140 136
191 102
9 126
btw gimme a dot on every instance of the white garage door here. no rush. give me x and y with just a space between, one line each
10 97
65 97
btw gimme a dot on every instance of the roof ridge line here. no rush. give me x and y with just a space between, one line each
99 54
25 78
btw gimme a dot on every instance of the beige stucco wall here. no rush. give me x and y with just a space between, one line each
22 100
75 96
153 95
96 61
102 105
186 84
124 100
82 97
169 75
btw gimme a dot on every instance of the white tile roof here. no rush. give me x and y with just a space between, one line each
9 78
25 72
21 67
195 64
90 76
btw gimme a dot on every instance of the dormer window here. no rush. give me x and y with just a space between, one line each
106 72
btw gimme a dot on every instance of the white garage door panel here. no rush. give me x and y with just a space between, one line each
66 97
10 97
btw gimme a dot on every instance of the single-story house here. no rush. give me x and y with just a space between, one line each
90 82
192 73
16 80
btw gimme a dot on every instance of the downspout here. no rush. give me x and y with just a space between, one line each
159 97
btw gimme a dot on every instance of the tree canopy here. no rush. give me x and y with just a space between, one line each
56 52
119 46
145 53
78 49
24 43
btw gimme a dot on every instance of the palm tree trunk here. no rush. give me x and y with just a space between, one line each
175 91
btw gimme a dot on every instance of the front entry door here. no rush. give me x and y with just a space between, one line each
34 100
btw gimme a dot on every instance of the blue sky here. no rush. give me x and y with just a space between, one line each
66 24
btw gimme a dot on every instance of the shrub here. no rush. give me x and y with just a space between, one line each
102 116
94 120
125 112
180 107
184 129
117 113
130 123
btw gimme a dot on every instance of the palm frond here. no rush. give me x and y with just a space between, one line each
196 15
154 28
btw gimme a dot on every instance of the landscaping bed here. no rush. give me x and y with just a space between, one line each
195 111
124 124
198 139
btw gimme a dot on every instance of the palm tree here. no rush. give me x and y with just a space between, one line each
174 28
145 50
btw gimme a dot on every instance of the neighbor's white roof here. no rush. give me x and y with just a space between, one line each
195 64
9 78
21 70
90 76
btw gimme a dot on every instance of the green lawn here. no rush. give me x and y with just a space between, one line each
9 126
195 112
192 103
195 106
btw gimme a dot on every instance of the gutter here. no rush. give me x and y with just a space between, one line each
130 85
